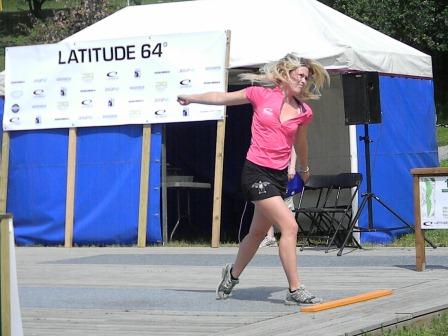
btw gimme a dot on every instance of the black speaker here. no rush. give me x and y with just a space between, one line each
361 98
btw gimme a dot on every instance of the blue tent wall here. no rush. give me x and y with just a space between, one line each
404 140
106 190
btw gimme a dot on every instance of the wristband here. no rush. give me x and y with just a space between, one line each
307 170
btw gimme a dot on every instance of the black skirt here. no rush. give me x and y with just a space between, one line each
258 182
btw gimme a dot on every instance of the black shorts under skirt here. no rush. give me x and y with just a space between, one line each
258 182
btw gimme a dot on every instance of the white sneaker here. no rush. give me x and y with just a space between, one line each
269 242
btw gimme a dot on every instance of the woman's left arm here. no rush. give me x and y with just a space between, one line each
301 147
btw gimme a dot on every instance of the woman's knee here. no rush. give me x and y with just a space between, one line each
290 229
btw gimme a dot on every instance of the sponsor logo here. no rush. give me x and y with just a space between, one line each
185 83
14 120
87 90
38 120
87 76
63 79
85 117
210 111
137 87
184 70
212 82
185 111
112 89
63 91
62 105
15 108
435 224
162 72
16 94
135 113
110 102
213 68
136 101
268 110
161 100
18 82
112 75
39 93
161 85
40 106
40 80
87 102
61 119
160 112
109 116
137 73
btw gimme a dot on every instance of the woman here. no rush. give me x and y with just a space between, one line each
280 121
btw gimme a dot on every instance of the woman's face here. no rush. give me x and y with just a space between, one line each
299 78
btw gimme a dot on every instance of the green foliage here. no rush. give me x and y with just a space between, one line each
438 237
420 23
69 21
442 136
436 327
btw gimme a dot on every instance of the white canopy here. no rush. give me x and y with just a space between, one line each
265 30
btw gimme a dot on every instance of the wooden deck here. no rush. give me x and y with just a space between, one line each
170 291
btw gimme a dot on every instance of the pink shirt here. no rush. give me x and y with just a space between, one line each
272 140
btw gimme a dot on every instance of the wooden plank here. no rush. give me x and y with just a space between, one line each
5 275
144 186
70 191
4 172
430 171
219 162
346 301
420 257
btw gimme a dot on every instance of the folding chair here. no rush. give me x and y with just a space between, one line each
333 198
311 204
347 183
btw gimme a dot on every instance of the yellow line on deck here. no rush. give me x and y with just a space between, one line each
346 301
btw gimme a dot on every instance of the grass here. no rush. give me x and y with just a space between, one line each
435 327
442 136
438 237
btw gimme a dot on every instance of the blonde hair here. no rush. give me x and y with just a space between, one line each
277 73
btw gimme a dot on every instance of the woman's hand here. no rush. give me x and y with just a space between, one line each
305 175
183 100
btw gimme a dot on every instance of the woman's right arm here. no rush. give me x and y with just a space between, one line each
215 98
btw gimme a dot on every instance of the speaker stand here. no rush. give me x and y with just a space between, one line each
367 199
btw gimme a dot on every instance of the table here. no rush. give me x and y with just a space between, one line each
186 184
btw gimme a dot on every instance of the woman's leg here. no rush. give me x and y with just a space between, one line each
268 211
250 243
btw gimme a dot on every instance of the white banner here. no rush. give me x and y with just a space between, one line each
434 202
113 82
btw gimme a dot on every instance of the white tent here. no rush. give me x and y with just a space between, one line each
265 30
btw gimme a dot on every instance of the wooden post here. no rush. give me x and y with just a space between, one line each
420 261
419 233
4 172
70 191
219 161
144 185
5 283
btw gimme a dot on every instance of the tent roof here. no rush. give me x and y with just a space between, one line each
265 30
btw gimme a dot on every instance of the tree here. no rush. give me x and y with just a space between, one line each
69 21
36 7
419 23
422 24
